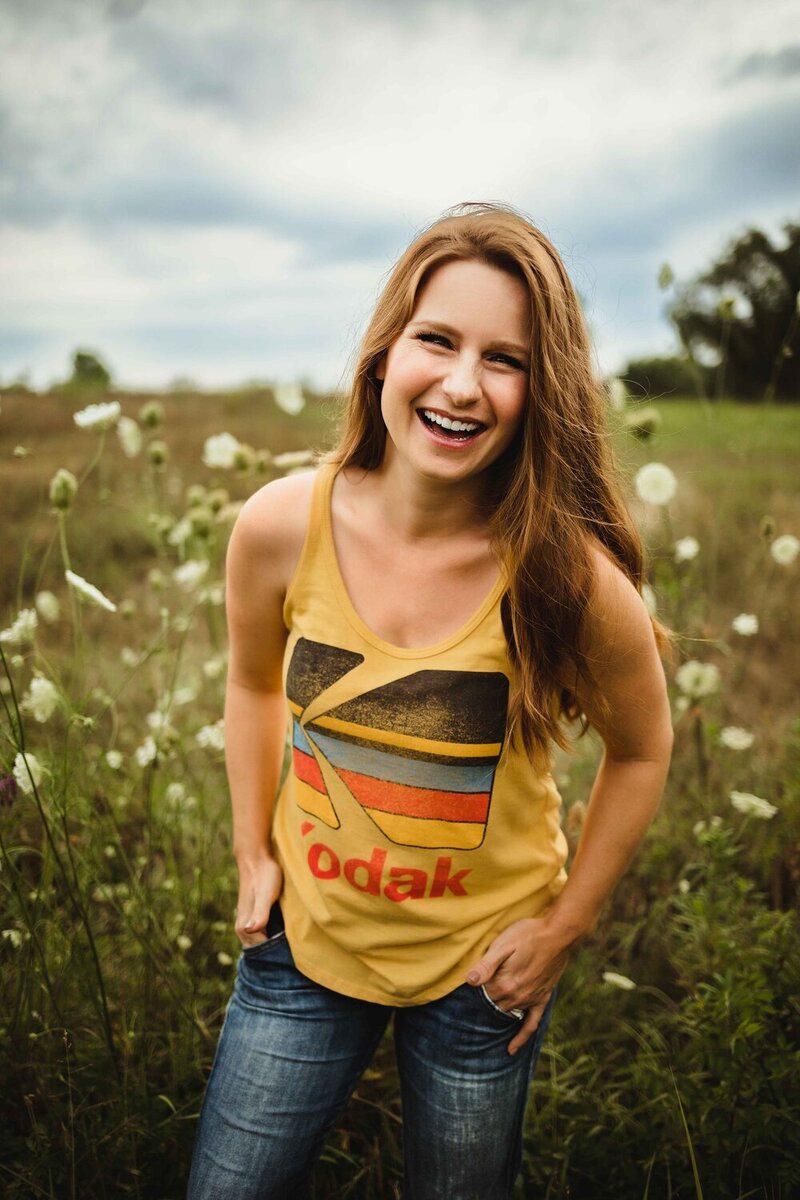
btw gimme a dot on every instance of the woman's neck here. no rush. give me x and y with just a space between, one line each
417 508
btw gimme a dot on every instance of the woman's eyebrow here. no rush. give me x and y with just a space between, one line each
514 347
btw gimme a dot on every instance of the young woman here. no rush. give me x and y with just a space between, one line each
456 579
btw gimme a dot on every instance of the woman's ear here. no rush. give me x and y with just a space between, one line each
380 367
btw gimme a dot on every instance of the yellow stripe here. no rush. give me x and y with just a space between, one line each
388 737
295 708
313 802
420 831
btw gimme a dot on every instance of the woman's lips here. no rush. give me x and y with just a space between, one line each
443 437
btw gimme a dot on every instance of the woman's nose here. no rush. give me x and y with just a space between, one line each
461 384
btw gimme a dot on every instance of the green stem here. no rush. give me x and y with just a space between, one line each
698 731
781 356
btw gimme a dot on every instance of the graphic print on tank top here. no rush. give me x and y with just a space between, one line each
418 754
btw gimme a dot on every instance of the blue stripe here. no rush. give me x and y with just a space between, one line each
300 740
396 768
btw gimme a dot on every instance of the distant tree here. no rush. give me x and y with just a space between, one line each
743 311
659 378
89 373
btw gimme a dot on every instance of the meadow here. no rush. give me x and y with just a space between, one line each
672 1068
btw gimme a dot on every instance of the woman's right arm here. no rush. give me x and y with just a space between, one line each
261 554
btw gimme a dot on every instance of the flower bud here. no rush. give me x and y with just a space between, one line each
158 453
152 414
63 488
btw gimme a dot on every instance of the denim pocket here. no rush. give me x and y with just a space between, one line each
275 931
267 944
514 1015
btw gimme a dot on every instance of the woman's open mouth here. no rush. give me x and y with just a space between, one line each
449 429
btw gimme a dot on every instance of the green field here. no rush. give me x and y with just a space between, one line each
117 884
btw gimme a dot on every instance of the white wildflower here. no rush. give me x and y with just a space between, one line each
213 667
753 806
686 548
89 591
157 579
129 656
655 483
785 549
47 606
184 695
40 699
130 436
22 630
220 451
13 937
617 394
189 574
146 752
293 459
183 942
289 398
697 679
175 793
110 851
212 737
224 959
620 981
698 828
181 531
683 886
114 759
98 416
157 720
736 738
746 624
681 705
649 598
25 774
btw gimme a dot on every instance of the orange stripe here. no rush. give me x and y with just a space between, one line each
416 802
307 769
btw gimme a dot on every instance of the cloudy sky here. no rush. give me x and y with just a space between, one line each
216 190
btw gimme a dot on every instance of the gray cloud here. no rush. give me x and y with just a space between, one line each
781 64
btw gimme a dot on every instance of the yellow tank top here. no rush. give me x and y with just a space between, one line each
409 830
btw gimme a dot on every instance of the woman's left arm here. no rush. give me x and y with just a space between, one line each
524 963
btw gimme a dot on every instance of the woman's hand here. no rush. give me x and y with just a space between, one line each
520 970
260 881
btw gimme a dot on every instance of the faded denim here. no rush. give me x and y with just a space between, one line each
291 1052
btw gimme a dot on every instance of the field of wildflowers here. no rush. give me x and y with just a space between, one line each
673 1065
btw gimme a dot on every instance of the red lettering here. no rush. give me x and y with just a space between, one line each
408 884
373 868
315 854
442 880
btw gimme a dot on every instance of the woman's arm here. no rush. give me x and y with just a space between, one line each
525 961
261 554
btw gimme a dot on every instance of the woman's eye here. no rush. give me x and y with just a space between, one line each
437 338
512 362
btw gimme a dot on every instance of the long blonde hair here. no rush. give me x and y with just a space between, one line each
556 482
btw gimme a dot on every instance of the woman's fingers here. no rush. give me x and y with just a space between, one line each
529 1025
257 893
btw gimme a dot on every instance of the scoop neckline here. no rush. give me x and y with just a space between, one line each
349 609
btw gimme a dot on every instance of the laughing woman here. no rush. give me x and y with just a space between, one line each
422 614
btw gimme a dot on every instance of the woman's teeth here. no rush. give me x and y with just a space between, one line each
460 427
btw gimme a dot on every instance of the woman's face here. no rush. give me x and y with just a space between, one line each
455 381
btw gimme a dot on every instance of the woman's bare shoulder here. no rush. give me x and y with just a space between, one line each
616 617
271 526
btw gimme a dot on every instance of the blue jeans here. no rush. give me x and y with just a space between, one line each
291 1052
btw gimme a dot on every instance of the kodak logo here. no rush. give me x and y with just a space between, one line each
373 876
